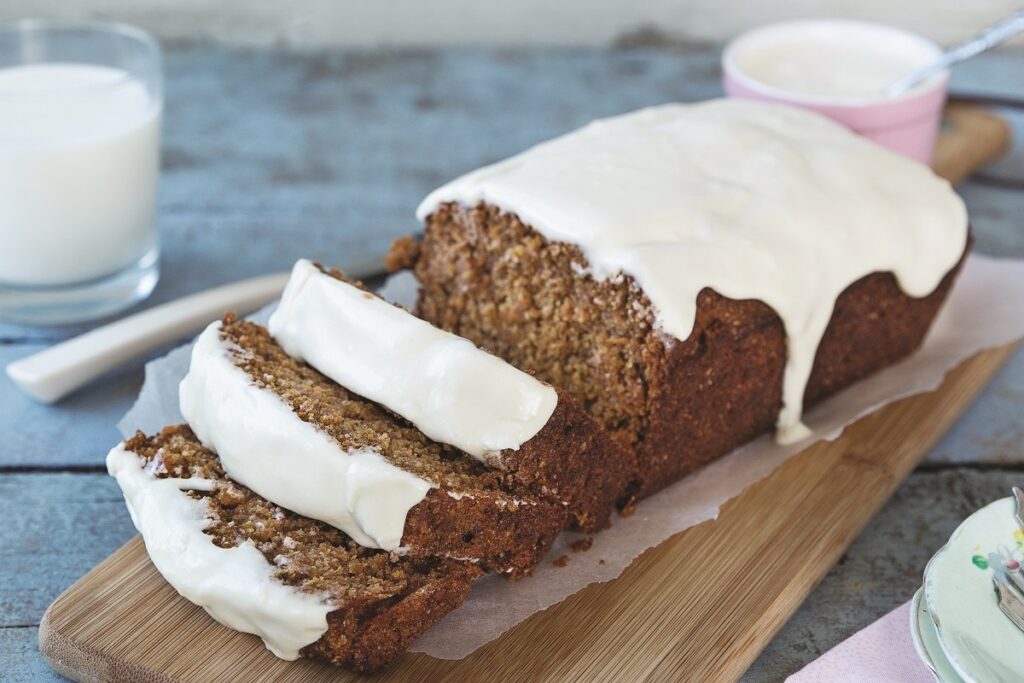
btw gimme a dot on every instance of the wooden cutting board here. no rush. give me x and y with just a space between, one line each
122 622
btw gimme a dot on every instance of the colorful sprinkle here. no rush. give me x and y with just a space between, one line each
980 562
1012 564
1018 535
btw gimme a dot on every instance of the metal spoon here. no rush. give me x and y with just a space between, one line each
1009 599
987 39
1008 580
1018 497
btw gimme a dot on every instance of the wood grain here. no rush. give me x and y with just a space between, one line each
757 563
971 136
765 553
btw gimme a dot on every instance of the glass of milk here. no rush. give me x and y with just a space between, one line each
80 111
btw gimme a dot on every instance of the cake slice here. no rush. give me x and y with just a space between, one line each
302 586
453 392
309 445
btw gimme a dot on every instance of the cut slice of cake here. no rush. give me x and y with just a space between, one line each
453 392
302 586
694 275
309 445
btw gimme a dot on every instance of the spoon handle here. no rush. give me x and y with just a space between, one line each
987 39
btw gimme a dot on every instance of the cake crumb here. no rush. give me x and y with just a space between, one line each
403 254
600 561
562 561
628 509
582 545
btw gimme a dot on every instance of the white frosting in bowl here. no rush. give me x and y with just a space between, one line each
754 200
236 586
451 390
829 60
264 445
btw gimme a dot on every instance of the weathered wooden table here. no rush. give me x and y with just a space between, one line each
270 156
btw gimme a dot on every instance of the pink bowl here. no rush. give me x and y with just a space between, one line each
908 124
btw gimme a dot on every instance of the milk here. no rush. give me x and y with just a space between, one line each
79 157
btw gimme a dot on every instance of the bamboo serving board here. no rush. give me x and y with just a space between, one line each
122 622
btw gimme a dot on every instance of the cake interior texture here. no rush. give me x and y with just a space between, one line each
474 513
488 276
572 459
383 601
351 420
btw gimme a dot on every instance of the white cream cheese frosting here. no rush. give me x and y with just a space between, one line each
236 586
264 445
848 61
754 200
452 391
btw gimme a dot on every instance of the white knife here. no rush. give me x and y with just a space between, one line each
53 373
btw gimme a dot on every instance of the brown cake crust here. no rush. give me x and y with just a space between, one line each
737 362
383 601
572 459
474 513
678 404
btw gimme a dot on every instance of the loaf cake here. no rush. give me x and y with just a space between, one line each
301 585
453 392
694 275
598 317
295 437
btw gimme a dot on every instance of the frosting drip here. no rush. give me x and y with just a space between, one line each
235 585
265 446
451 390
756 201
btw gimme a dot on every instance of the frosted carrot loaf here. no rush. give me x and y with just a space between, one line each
454 392
302 441
694 275
303 586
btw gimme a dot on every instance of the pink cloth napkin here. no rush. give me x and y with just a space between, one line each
881 653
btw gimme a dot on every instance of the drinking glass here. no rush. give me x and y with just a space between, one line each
80 111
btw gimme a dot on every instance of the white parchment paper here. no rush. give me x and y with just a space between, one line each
985 309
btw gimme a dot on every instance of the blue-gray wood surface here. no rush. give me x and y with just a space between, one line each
270 156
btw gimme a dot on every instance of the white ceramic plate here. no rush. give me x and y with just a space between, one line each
977 639
926 642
